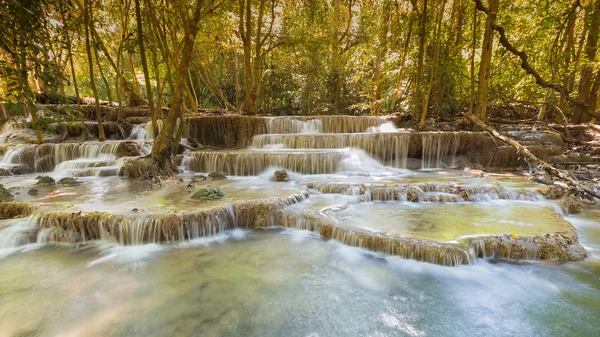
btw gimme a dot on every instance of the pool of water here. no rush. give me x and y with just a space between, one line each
451 221
286 283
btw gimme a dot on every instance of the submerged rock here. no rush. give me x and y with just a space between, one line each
67 181
280 175
208 194
5 195
33 192
45 181
216 176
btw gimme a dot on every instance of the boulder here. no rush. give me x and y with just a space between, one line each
67 181
216 176
45 181
570 205
5 195
139 167
207 194
280 175
33 192
128 149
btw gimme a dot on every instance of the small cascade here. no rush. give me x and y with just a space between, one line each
250 163
8 129
439 149
139 132
425 251
12 157
169 227
323 124
19 233
290 125
389 148
426 192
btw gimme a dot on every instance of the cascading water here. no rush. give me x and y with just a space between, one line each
439 150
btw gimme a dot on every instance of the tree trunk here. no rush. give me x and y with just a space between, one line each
380 59
164 144
140 36
336 62
485 65
402 66
420 60
472 79
88 48
84 130
585 92
436 54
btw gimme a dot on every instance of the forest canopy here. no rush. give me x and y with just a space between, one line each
425 58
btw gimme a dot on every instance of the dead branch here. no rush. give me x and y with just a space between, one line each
550 170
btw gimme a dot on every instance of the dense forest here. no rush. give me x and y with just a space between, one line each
429 60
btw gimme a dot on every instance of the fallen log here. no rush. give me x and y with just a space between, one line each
550 170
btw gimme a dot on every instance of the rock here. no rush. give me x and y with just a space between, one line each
137 120
280 175
570 205
216 176
33 192
45 181
11 209
139 167
576 252
128 149
5 195
67 181
553 192
414 194
135 210
207 194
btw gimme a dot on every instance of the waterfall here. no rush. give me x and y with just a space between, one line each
139 132
322 124
439 149
389 148
251 163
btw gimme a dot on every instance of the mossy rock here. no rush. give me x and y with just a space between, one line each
45 181
208 194
216 176
5 195
67 181
33 192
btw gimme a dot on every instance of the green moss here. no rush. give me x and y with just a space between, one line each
207 194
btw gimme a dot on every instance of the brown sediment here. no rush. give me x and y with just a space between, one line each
12 209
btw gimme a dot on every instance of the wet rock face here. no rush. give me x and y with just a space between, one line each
128 149
216 176
553 192
139 167
5 195
280 175
67 181
45 181
570 205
